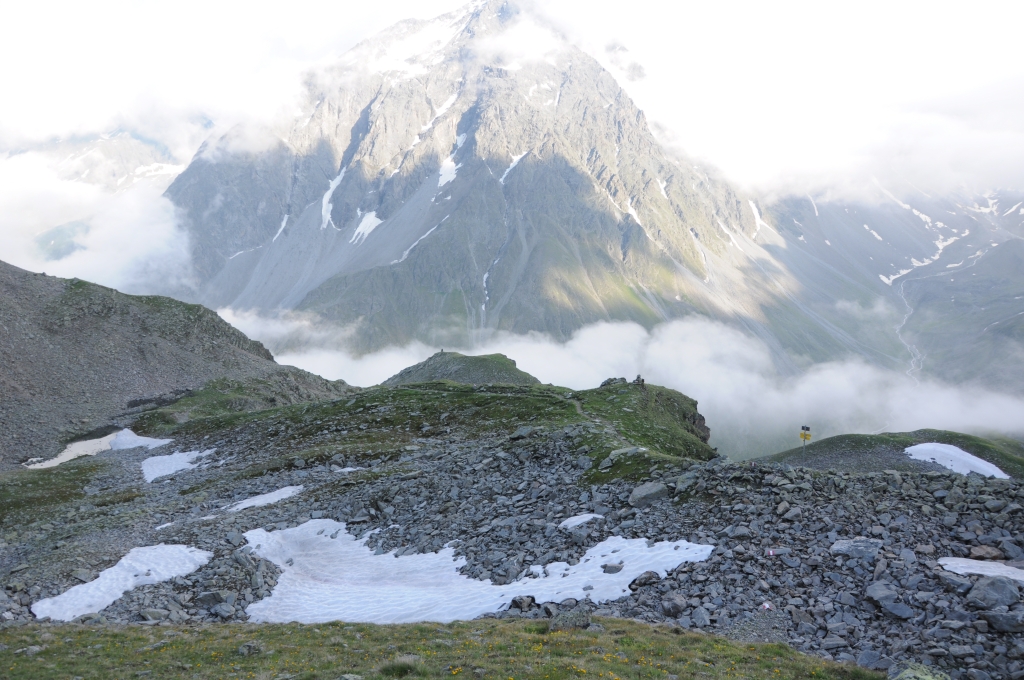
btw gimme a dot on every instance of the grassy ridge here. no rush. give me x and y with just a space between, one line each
477 649
1007 454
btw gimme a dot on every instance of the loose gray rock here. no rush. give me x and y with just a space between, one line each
858 547
575 619
1006 622
647 493
993 591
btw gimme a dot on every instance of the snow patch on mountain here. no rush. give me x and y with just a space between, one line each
326 206
515 162
369 222
448 171
161 466
266 498
955 459
125 439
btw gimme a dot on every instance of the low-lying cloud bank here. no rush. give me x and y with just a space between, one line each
750 408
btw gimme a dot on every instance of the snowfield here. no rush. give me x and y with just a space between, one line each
955 459
329 575
125 439
140 567
161 466
265 498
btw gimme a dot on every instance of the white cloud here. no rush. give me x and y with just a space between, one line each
751 409
127 240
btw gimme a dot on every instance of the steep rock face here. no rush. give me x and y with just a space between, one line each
447 180
455 192
74 354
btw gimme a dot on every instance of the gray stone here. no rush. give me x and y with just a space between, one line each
647 493
83 575
584 463
857 547
701 618
521 433
1006 622
673 605
833 642
955 583
897 610
793 515
645 579
575 619
223 610
611 568
881 592
154 614
210 598
869 658
250 648
993 591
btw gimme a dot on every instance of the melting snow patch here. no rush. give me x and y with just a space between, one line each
757 218
955 459
265 498
415 243
515 162
448 170
326 206
368 224
140 567
161 466
573 522
125 439
325 579
283 223
964 566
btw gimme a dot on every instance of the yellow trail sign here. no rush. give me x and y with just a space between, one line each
806 436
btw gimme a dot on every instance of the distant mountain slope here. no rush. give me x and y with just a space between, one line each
441 186
471 370
73 355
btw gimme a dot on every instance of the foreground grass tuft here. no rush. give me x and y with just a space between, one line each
623 650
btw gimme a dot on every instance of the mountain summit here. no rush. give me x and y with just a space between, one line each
475 173
457 176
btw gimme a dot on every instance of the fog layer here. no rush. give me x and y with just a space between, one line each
751 409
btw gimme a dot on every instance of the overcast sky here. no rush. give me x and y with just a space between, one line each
777 95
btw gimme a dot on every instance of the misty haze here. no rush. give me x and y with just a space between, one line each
543 316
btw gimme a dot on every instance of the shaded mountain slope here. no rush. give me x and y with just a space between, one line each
73 355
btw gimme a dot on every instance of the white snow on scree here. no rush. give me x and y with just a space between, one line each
140 567
574 522
340 579
369 222
125 439
161 466
448 171
964 566
955 459
265 498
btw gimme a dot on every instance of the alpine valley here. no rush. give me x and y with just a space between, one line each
175 503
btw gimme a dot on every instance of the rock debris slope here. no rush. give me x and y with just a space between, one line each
74 355
878 568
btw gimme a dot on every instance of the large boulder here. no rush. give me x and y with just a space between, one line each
858 547
1005 622
993 591
645 494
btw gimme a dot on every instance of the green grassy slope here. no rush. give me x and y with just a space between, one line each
1007 454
